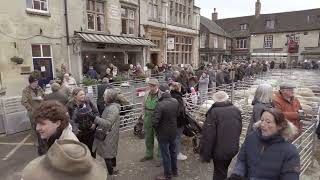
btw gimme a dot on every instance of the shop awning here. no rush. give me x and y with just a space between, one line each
111 39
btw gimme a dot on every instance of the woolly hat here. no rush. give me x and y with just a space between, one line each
65 160
220 96
286 86
32 79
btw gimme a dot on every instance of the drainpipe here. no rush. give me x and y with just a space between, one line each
139 31
67 32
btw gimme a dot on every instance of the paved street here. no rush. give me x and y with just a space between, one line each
14 155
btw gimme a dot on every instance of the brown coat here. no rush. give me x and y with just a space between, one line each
289 109
28 98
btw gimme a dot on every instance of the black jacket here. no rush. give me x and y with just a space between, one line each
318 131
181 121
221 132
101 88
165 118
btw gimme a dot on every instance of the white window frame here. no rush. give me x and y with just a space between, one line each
32 9
268 41
270 24
224 43
43 57
243 27
95 14
241 43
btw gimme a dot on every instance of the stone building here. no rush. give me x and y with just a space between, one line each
215 43
288 36
77 33
173 25
34 30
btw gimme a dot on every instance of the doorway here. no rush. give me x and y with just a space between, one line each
43 65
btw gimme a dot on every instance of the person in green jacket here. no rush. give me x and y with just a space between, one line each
150 103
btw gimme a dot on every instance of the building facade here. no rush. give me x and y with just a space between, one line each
289 36
49 33
35 31
173 25
215 43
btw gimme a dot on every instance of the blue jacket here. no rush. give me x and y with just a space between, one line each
267 158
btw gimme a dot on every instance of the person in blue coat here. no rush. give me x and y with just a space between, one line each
267 153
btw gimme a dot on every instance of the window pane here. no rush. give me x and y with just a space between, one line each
36 5
99 7
36 50
46 51
150 10
131 27
90 21
100 23
44 6
123 12
29 4
124 26
131 14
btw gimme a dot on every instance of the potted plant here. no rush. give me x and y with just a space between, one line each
88 81
17 60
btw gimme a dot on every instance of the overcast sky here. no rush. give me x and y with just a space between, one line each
236 8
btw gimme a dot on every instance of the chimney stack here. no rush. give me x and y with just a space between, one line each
258 8
214 15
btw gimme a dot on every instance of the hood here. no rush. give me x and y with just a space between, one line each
165 95
288 134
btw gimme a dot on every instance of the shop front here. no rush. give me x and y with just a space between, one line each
100 51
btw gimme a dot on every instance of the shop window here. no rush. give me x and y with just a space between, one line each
268 41
38 5
95 15
127 20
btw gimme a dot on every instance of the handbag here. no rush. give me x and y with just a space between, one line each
100 134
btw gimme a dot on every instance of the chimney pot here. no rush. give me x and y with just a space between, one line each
214 15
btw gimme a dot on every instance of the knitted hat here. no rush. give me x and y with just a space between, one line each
286 86
65 160
220 96
164 87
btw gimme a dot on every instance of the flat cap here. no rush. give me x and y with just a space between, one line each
153 81
287 86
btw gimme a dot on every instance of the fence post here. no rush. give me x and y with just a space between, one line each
232 92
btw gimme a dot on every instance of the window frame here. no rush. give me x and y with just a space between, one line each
243 27
268 41
203 39
242 43
269 23
32 9
128 20
95 14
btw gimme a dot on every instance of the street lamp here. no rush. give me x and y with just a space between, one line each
166 5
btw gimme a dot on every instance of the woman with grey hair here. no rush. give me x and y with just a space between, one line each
107 133
262 99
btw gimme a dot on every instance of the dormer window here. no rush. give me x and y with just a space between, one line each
243 26
270 24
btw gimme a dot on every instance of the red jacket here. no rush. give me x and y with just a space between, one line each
289 109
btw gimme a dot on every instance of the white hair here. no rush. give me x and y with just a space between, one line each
263 93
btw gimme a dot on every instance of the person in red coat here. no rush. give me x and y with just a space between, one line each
285 101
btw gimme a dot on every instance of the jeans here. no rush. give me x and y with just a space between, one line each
169 157
110 163
178 139
221 169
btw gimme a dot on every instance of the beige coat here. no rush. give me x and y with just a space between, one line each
68 134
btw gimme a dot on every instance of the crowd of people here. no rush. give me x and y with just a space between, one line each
71 130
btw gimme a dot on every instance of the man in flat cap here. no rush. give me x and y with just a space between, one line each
290 106
150 103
